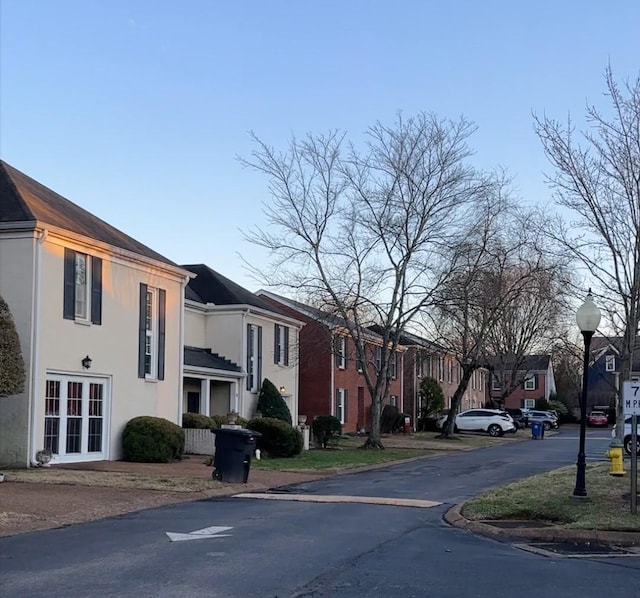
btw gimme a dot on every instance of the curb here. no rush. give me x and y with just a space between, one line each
455 518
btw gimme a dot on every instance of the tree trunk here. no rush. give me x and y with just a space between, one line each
449 426
374 440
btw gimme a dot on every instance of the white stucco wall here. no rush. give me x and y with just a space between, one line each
194 328
17 269
113 345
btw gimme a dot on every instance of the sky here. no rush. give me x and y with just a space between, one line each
138 110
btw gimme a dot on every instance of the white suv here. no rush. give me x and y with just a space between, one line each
627 435
493 421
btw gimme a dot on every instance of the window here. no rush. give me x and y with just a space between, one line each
530 383
281 345
151 333
82 297
393 365
449 371
419 364
254 357
529 404
341 352
610 363
378 359
341 404
441 368
495 382
359 361
393 401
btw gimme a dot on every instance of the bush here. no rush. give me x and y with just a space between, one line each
199 421
278 439
427 424
271 404
149 439
12 374
324 428
391 420
431 397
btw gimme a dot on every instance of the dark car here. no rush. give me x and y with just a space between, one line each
547 419
519 417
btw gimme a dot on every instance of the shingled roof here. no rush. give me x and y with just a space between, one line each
24 200
204 358
210 286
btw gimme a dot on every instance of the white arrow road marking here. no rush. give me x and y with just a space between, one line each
200 534
371 500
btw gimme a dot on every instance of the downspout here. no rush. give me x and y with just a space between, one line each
183 286
243 384
35 342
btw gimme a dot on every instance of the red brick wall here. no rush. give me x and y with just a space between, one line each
516 398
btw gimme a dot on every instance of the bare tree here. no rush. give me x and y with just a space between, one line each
499 266
363 232
597 178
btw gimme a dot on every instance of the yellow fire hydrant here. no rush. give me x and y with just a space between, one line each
615 456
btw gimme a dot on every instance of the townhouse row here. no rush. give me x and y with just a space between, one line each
110 330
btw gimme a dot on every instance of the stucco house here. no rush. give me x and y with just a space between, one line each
233 341
100 319
331 375
517 384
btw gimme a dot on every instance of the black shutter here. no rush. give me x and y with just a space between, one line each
259 369
162 315
535 381
345 405
142 329
69 299
249 346
286 345
96 290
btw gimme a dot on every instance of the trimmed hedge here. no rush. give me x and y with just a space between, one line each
271 404
324 428
147 439
278 439
198 421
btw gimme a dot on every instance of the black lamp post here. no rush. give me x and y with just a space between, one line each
588 318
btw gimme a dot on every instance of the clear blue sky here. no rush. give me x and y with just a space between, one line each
136 109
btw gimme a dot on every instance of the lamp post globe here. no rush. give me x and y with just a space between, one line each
588 319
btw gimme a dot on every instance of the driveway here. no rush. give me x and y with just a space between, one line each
245 547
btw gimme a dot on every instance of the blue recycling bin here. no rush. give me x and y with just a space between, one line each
536 430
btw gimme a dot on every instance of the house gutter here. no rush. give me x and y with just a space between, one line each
40 237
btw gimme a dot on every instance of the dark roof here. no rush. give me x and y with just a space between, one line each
211 287
204 358
526 363
24 200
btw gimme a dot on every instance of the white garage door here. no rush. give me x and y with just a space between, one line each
74 418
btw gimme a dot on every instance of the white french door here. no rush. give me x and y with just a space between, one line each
74 418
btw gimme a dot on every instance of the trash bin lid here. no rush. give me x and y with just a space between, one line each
236 432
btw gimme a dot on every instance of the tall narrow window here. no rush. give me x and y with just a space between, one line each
254 357
52 416
378 359
341 404
151 333
82 287
341 352
441 368
393 365
281 345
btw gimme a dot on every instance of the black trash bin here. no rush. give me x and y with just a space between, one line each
234 449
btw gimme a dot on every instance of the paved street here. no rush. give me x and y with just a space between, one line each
298 548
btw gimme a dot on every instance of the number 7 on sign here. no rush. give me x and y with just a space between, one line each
631 397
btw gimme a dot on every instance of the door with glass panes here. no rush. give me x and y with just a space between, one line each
74 418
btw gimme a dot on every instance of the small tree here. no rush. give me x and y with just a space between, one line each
431 397
11 363
271 403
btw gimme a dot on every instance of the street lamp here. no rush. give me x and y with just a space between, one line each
588 318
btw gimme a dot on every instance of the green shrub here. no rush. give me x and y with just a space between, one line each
324 428
278 439
199 421
147 439
271 403
12 373
431 397
391 420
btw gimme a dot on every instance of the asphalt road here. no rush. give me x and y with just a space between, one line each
285 548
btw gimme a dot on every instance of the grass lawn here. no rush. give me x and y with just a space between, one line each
338 458
548 497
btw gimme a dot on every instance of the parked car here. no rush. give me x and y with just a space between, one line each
519 416
626 437
492 421
547 419
597 418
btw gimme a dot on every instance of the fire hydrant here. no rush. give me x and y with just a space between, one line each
615 456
